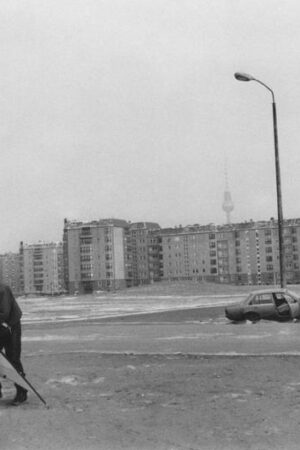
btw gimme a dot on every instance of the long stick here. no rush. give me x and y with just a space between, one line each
34 390
23 378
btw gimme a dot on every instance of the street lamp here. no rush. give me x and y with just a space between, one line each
240 76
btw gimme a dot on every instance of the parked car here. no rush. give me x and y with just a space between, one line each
268 304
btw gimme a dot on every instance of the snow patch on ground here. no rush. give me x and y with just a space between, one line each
72 309
253 336
73 380
68 379
193 336
55 337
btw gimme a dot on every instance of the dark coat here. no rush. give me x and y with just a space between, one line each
10 312
5 336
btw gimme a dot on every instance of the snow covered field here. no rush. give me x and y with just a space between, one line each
74 308
145 299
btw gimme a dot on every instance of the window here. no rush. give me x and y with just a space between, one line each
279 299
85 266
85 240
85 249
290 299
262 299
85 258
86 276
268 249
85 231
269 258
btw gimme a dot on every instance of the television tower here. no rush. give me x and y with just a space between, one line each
227 202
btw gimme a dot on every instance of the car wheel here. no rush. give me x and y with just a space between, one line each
252 317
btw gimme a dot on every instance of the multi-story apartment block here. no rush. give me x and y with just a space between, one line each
196 254
145 252
97 255
42 268
10 272
245 253
112 254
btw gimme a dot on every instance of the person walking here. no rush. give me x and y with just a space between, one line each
10 316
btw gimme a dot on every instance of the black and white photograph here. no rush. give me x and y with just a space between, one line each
150 232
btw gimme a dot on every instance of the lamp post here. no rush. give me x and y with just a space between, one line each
240 76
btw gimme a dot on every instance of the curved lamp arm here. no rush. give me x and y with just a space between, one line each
241 76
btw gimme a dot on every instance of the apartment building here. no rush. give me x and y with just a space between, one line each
112 254
42 268
10 272
145 244
245 253
97 255
196 253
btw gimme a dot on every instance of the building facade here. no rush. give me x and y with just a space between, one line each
195 253
11 272
145 245
97 255
113 254
42 268
246 253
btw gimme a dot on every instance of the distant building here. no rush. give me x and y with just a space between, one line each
192 254
245 253
97 255
10 272
113 254
145 252
42 268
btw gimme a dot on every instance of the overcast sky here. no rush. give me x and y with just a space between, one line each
129 108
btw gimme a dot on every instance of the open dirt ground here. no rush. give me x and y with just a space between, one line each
142 402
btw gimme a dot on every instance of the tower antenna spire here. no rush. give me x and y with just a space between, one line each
227 200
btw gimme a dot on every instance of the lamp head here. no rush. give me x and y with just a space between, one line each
241 76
